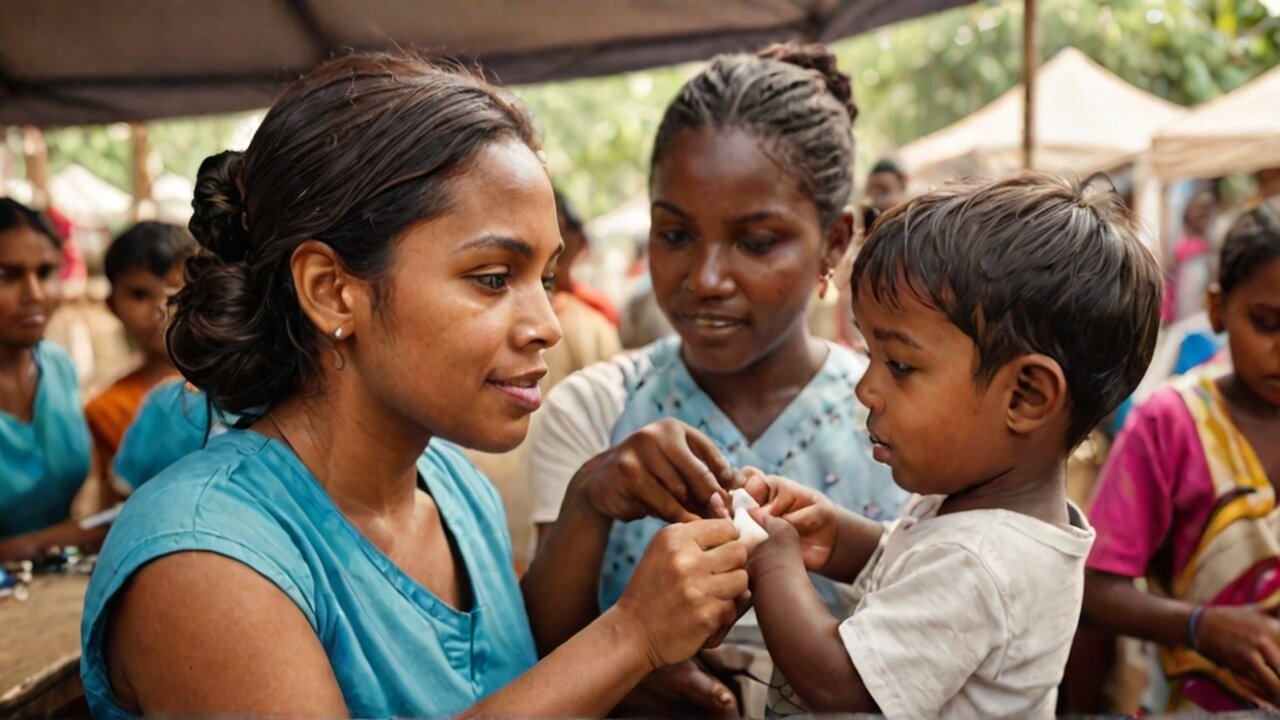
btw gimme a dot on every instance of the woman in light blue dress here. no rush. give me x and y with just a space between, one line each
372 290
44 440
751 181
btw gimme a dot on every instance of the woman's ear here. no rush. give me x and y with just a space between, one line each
1213 306
838 240
1038 393
327 294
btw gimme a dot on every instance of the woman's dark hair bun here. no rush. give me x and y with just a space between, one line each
814 56
219 220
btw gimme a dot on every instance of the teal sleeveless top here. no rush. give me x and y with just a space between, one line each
43 463
395 649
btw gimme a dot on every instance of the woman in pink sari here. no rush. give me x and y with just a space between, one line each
1187 501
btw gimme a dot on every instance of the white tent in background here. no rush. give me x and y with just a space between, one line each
1236 133
172 195
88 200
1087 119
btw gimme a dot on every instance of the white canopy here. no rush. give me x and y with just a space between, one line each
1236 133
1087 119
87 199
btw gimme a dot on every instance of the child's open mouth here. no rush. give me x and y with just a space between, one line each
880 450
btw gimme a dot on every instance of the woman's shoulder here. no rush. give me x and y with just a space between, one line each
203 490
229 498
56 362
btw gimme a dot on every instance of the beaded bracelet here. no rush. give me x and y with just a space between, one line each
1193 624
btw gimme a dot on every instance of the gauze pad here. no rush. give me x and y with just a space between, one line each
749 531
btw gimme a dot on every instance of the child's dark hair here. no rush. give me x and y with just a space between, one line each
887 165
353 154
793 97
1254 240
1030 264
14 214
152 246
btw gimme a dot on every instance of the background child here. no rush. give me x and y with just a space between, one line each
145 267
992 313
1187 499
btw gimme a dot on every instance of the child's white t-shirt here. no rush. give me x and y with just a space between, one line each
968 615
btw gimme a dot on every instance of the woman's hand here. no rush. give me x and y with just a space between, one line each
1246 641
684 589
809 512
686 689
666 469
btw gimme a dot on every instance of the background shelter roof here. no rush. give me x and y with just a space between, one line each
1087 119
67 62
1238 132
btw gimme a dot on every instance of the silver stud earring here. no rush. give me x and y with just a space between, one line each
337 334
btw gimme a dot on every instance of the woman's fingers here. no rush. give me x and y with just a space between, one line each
1269 653
727 586
710 534
727 557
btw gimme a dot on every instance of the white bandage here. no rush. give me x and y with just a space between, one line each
749 531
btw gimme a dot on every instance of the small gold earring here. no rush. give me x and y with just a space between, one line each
824 282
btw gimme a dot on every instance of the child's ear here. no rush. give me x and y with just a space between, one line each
1039 392
1213 305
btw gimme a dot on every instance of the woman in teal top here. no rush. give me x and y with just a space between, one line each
44 440
373 287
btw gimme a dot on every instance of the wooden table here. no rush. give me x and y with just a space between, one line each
40 647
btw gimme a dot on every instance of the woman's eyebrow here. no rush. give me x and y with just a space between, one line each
503 242
671 208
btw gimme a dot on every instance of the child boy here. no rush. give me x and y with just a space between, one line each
1004 320
144 266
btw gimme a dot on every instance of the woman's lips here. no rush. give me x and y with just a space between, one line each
711 326
523 389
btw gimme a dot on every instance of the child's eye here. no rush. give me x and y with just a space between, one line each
492 282
899 370
140 295
549 282
1265 321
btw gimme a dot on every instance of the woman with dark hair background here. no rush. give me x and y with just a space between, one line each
44 440
373 288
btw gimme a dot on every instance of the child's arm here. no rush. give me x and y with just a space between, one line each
801 634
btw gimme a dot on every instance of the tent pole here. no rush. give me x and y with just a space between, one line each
36 157
1030 63
141 179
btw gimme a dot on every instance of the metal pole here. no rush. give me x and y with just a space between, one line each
141 178
1030 63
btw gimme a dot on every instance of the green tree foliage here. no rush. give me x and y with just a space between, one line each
910 79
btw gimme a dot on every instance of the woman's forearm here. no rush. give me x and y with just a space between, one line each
1113 603
65 534
586 676
562 584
